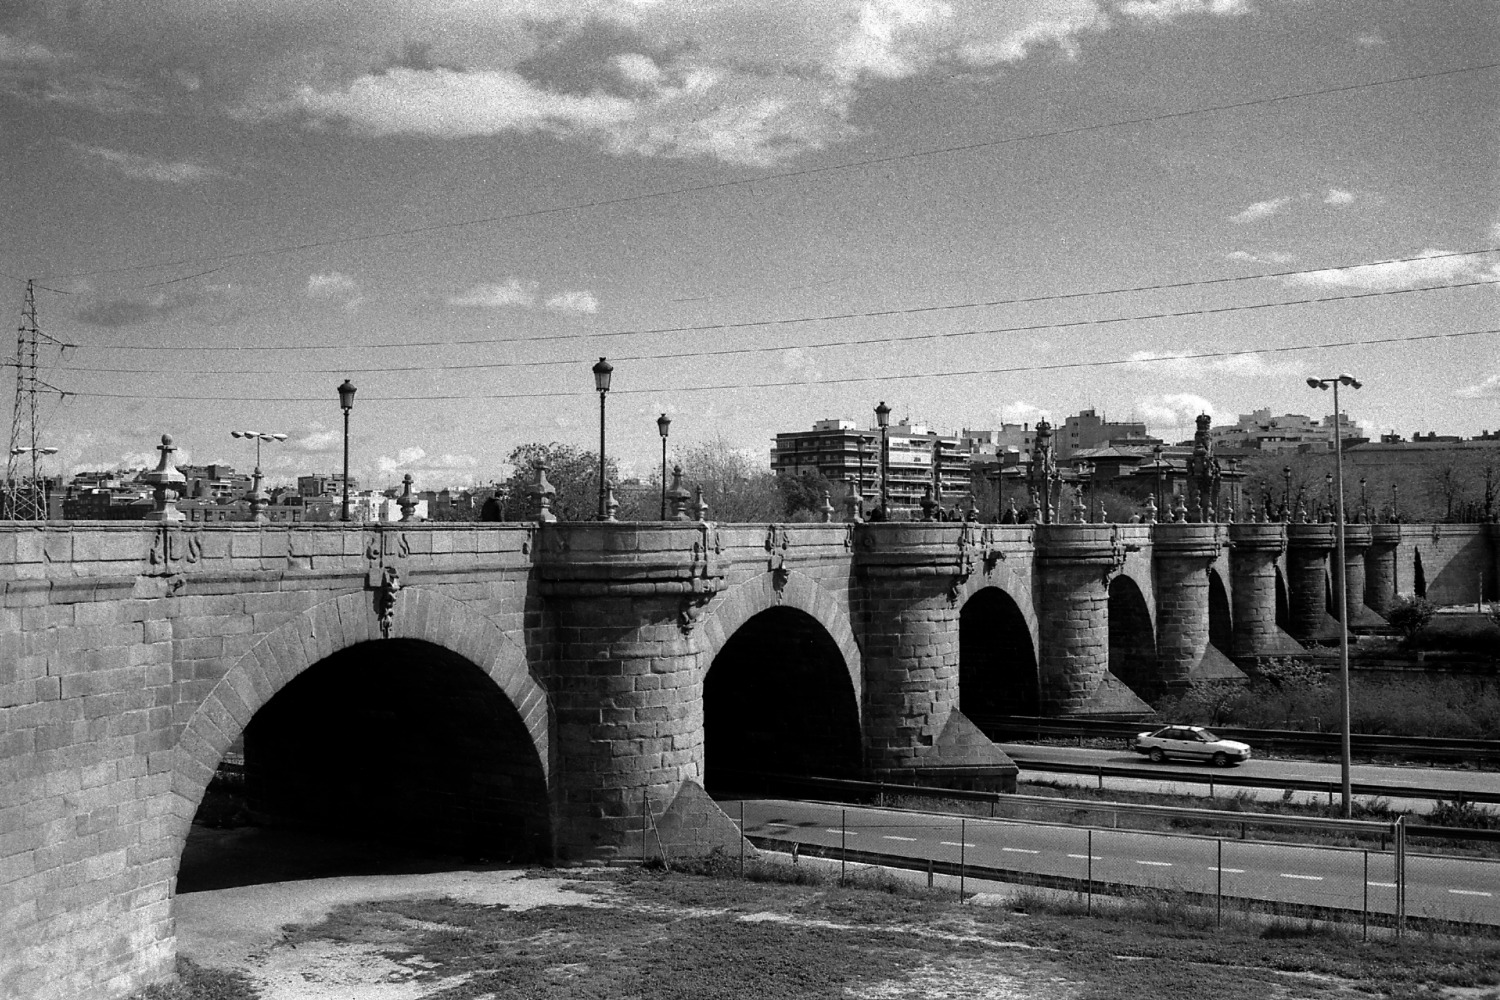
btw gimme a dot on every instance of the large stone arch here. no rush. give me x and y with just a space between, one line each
1132 636
1220 613
318 633
743 601
998 668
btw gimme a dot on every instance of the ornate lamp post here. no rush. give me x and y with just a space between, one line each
883 418
346 400
1364 501
602 372
1286 493
1338 544
663 424
1328 493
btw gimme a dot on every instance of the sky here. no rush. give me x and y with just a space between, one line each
764 213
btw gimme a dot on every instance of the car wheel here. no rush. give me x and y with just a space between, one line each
1221 760
1156 755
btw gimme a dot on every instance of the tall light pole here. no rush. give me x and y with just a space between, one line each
256 497
663 424
1286 493
601 382
1343 599
258 437
883 418
346 400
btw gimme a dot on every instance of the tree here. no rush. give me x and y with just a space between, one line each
736 486
802 495
573 471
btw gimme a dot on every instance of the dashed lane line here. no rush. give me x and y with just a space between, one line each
1469 892
1018 850
1304 878
1086 857
954 843
892 836
1226 871
1155 864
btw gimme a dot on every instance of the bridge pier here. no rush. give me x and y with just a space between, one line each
1307 550
626 677
1253 552
913 728
1075 563
1380 568
1358 540
1183 552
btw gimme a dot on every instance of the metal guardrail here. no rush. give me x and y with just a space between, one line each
880 789
1477 751
1248 781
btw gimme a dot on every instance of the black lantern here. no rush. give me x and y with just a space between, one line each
346 400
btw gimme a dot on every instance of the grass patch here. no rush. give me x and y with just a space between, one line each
195 982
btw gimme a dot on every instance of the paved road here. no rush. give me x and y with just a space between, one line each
1155 776
1455 888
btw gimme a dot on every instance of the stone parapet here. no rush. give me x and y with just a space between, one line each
579 559
910 549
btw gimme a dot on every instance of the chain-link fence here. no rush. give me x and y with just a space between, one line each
1355 877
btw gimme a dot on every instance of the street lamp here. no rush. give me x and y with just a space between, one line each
601 382
1364 503
346 400
663 424
1286 493
1338 545
883 418
256 497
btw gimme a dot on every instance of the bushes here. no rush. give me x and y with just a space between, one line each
1410 615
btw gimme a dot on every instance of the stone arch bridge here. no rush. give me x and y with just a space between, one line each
544 690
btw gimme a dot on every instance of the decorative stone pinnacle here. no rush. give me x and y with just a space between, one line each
677 497
826 508
407 501
541 493
1179 509
855 504
611 504
164 480
700 506
258 499
1079 510
1151 508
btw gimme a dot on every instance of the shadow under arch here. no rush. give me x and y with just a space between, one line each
1283 604
997 666
1220 616
777 700
1132 640
341 639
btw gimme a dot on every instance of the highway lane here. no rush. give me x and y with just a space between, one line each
1154 777
1440 887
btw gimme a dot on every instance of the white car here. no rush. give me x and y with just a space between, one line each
1191 742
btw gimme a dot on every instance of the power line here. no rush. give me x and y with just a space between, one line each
788 321
850 342
778 176
843 380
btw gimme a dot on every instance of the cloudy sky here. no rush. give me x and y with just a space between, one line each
764 213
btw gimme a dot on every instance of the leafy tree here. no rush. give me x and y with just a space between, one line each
736 486
802 496
1410 615
572 470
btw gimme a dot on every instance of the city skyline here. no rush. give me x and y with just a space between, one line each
228 216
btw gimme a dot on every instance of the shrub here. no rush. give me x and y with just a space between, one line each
1410 615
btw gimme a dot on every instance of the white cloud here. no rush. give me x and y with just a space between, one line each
1338 196
1267 257
18 51
1370 40
1167 10
416 461
1488 388
1174 415
145 168
638 70
495 296
334 284
1430 267
1262 209
1021 412
573 302
800 363
317 440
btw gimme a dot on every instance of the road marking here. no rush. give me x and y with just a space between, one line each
784 826
954 843
1383 885
1305 878
1156 864
891 836
1231 871
834 829
1085 857
1018 850
1468 892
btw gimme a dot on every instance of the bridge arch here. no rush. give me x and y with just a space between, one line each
1132 636
335 629
1220 615
743 601
997 663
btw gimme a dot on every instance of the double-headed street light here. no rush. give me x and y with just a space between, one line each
663 424
346 400
1339 576
258 437
601 382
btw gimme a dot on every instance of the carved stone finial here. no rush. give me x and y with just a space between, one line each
407 501
855 504
611 504
700 505
971 507
1179 509
542 493
164 480
1080 512
1151 508
826 508
257 498
677 497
